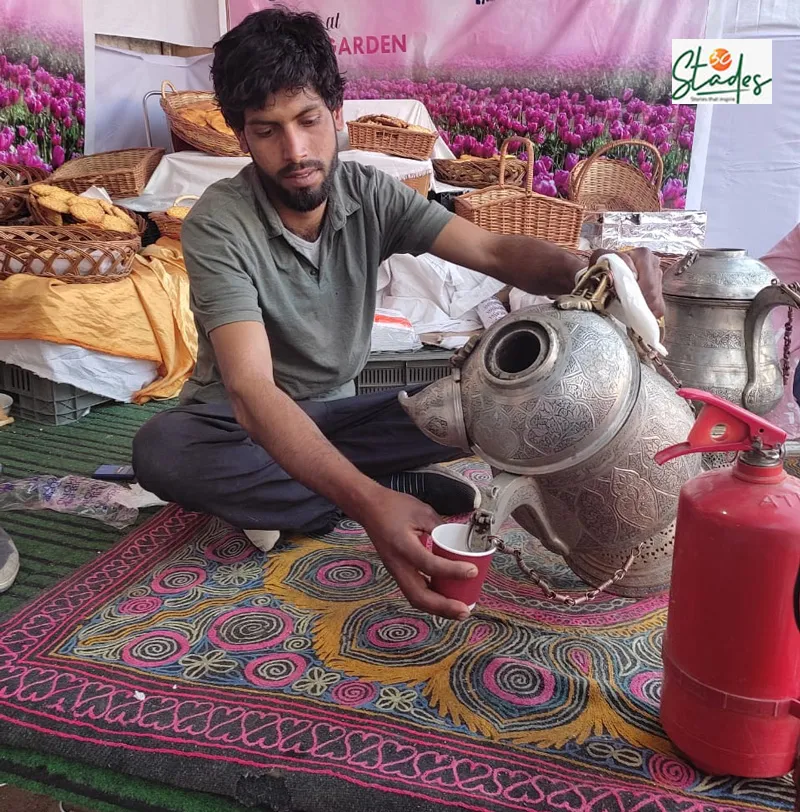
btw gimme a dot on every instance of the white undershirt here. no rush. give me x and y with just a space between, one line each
310 250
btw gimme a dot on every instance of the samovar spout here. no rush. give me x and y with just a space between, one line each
520 496
437 412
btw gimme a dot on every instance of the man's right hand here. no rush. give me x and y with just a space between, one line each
395 526
394 521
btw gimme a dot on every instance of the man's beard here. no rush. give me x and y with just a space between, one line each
301 200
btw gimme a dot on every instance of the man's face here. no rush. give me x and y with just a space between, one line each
292 141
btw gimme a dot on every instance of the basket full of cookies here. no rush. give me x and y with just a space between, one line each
194 116
54 206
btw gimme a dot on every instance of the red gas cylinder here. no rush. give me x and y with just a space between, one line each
731 651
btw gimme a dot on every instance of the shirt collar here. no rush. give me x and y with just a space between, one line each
341 203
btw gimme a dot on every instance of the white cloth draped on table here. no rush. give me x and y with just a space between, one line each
435 296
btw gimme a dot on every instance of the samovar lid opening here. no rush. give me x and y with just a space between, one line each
547 389
518 352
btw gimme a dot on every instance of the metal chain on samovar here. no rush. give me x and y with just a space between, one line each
787 344
549 592
787 335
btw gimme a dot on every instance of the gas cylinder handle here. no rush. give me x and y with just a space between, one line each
723 427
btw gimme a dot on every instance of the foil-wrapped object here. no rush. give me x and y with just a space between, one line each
674 231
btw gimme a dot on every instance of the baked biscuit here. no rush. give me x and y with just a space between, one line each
111 223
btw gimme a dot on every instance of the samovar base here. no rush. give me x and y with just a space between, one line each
649 574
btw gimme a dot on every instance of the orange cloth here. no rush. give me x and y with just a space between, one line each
145 316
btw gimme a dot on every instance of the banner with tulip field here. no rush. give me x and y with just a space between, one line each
570 75
42 94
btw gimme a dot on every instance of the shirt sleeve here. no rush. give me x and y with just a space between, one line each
783 259
411 223
221 290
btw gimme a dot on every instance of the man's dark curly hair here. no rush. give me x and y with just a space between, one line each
270 51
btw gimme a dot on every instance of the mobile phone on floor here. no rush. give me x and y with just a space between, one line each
115 473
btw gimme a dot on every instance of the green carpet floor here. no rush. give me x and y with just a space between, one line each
51 546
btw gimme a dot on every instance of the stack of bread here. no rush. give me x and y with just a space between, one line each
392 121
206 114
178 211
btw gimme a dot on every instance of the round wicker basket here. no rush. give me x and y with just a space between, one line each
15 181
175 103
478 173
608 184
69 253
169 226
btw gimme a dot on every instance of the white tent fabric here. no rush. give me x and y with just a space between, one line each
752 179
123 80
183 22
751 187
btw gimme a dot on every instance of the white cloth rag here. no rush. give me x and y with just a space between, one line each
629 305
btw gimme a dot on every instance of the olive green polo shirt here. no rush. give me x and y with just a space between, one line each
242 267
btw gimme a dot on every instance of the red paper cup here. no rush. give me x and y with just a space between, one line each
450 541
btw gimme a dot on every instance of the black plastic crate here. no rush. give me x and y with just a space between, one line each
44 401
394 370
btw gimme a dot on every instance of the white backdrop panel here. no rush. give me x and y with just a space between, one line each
123 79
752 178
182 22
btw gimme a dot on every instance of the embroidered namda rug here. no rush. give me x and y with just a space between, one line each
302 680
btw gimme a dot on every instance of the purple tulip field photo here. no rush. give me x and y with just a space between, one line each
565 127
569 75
42 94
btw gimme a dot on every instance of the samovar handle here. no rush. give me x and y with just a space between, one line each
767 299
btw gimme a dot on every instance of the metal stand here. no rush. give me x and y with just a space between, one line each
147 130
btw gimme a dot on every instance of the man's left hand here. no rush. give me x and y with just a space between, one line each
645 265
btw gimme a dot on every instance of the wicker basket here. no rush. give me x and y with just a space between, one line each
169 226
478 173
505 209
70 254
419 183
608 184
14 184
205 138
391 139
45 217
122 173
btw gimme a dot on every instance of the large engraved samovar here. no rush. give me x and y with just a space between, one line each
717 333
569 416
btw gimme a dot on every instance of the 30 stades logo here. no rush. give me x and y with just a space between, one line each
732 71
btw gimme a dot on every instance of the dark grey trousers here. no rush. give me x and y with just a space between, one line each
200 458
